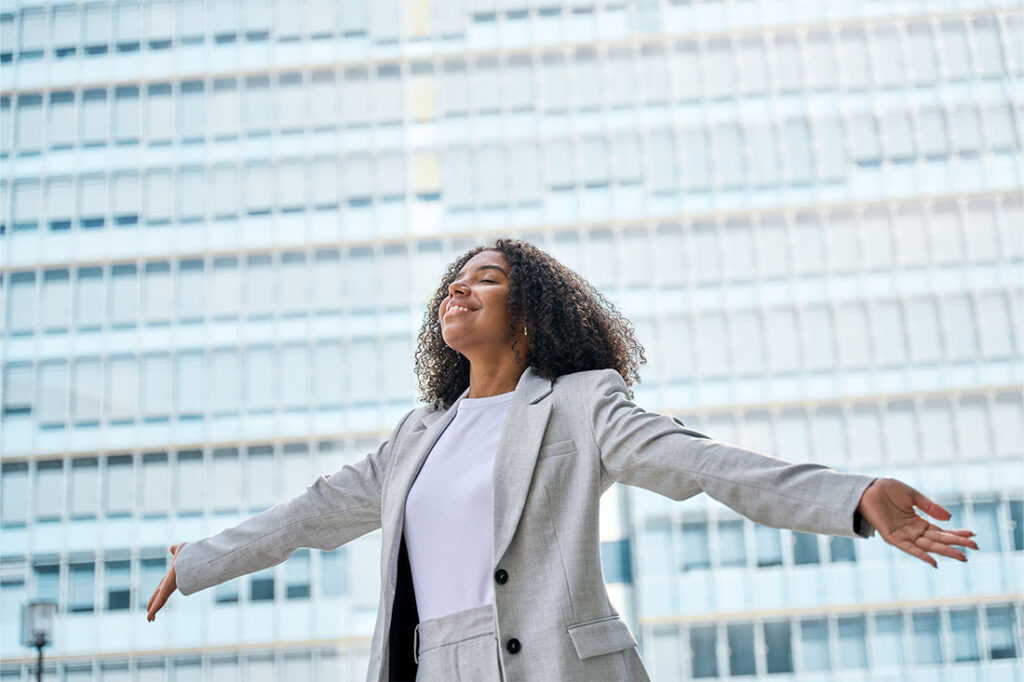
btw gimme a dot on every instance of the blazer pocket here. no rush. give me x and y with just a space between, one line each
602 636
562 447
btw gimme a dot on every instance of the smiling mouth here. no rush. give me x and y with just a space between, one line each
457 309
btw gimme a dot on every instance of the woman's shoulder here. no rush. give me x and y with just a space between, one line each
589 381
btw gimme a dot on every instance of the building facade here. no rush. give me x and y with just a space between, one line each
220 220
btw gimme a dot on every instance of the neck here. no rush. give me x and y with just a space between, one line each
493 378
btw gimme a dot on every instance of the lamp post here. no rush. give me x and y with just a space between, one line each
37 629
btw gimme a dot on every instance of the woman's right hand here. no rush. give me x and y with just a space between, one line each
166 588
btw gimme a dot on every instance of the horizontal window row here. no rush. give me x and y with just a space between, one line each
161 483
294 663
121 580
183 483
909 639
670 547
704 251
891 54
259 380
879 333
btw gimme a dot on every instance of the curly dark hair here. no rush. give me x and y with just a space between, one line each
572 327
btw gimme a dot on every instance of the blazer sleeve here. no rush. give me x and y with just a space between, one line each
333 510
656 452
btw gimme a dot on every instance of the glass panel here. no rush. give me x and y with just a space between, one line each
814 645
741 649
704 651
852 648
769 546
118 486
261 585
154 485
964 627
333 573
85 488
842 549
189 483
695 546
81 584
730 544
21 302
14 490
297 575
1001 639
927 642
805 548
888 644
49 490
47 581
151 572
778 647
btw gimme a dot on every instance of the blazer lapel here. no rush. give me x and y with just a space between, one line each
518 446
413 452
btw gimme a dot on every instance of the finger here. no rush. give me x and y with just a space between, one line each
930 508
941 549
161 599
913 550
950 538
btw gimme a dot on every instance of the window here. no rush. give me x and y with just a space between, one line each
92 201
260 286
1001 640
191 111
297 575
333 572
189 290
261 585
814 640
225 109
741 649
126 197
769 546
47 580
226 593
56 301
157 306
852 648
26 199
1017 522
778 646
118 486
85 397
224 280
89 297
223 381
927 642
328 374
29 124
554 83
188 483
842 549
84 500
258 188
323 100
260 388
66 31
52 392
81 585
60 203
730 544
14 490
123 296
226 480
695 546
888 641
33 34
704 650
154 488
188 381
127 25
95 118
159 200
964 627
159 23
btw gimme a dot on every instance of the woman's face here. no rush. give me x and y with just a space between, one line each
474 316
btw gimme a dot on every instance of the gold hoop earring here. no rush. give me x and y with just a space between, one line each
525 333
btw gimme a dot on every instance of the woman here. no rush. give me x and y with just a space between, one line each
489 497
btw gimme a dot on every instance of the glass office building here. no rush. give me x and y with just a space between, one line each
219 222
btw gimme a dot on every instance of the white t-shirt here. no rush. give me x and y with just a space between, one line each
448 513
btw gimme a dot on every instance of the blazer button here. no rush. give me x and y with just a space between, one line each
501 576
513 646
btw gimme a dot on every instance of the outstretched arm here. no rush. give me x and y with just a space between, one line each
168 584
888 505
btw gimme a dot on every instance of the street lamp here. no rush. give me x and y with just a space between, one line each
37 629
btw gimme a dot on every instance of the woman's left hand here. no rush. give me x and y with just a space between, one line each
888 505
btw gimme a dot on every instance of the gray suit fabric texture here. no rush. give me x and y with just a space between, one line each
563 444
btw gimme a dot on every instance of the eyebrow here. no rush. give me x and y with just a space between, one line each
485 267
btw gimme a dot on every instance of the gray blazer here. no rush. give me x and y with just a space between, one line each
563 444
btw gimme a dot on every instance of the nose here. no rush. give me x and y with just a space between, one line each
457 287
